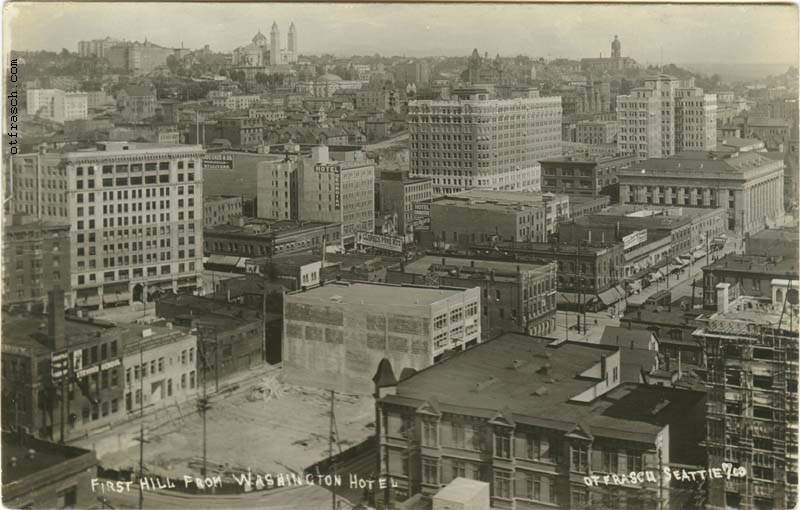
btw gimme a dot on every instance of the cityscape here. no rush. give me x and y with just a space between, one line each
400 256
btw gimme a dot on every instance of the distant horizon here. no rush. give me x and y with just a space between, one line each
650 33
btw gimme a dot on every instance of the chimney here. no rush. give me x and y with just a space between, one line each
491 275
722 297
471 263
55 319
602 366
444 261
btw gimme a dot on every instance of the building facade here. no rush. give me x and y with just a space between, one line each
748 186
58 105
752 396
478 216
135 214
334 334
476 142
337 191
398 195
583 175
36 260
666 116
515 297
251 237
494 414
221 210
750 275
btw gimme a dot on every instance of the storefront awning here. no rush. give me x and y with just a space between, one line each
611 296
698 254
223 260
242 262
657 275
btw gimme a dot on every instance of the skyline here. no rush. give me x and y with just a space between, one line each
742 34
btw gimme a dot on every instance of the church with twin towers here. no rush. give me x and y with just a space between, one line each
277 54
262 52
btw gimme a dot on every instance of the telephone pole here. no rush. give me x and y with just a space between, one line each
330 453
141 425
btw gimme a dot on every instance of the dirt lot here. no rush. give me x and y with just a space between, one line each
265 425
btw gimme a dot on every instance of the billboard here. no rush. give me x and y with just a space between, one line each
218 162
634 239
390 243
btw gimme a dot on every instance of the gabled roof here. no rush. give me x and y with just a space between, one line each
384 376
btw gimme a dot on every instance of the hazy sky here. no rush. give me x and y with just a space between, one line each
685 33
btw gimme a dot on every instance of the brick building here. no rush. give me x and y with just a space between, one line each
516 297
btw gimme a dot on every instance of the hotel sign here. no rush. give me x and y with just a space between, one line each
337 183
390 243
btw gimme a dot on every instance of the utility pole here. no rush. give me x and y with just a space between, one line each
216 360
330 454
141 424
203 407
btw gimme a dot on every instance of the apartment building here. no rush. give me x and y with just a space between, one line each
135 215
515 297
666 116
337 192
533 418
57 105
36 260
334 334
752 395
472 141
596 132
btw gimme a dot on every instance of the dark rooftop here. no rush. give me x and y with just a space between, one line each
756 264
33 455
30 330
266 228
534 381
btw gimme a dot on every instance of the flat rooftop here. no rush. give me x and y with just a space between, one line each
423 265
589 159
266 228
30 330
700 164
655 211
375 294
746 310
45 455
483 381
756 264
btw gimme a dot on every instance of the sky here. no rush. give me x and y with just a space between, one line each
681 33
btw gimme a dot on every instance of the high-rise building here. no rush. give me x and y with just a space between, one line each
337 192
751 346
473 141
135 212
291 46
96 47
666 116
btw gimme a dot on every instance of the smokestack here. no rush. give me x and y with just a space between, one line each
55 319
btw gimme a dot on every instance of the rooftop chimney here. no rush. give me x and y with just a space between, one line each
55 319
722 297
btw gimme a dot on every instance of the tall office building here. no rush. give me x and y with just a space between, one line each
751 410
473 141
291 47
666 116
135 213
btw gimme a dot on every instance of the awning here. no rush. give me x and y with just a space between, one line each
698 254
242 262
657 275
223 260
571 298
611 296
